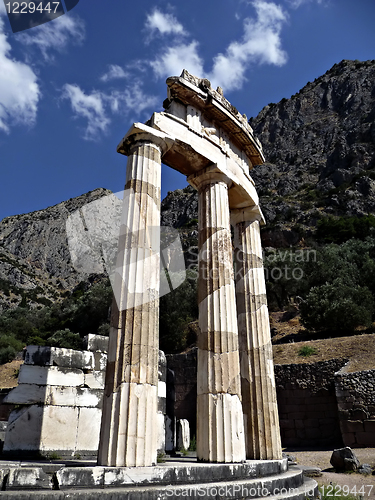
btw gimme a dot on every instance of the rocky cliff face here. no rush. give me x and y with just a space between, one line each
320 151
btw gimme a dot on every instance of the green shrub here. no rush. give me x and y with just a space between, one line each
306 351
7 354
337 306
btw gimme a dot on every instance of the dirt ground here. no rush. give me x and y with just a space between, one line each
353 480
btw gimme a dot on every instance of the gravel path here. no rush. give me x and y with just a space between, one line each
354 481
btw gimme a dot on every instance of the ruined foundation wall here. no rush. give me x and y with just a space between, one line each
355 394
307 404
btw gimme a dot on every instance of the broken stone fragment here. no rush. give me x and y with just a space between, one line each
344 459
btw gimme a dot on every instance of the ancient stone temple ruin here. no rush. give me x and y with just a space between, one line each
203 136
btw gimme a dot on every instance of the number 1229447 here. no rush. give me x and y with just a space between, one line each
31 7
334 490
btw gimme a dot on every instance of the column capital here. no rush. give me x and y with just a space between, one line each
139 132
247 214
208 175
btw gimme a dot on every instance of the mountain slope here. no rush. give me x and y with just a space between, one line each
35 261
320 149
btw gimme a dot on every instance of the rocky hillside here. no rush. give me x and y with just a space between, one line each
35 264
320 151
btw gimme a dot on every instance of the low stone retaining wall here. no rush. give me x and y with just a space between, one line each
307 404
355 394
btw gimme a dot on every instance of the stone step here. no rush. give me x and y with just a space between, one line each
285 485
171 472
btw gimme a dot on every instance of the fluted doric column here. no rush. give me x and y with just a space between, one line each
128 432
220 433
257 374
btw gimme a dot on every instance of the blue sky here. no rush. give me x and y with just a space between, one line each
70 89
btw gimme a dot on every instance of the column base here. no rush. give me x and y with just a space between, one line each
220 430
131 439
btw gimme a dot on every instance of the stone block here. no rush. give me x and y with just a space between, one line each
160 422
313 433
299 424
369 426
314 408
95 380
348 438
80 477
29 394
183 434
162 389
301 415
43 428
287 424
170 439
100 361
351 426
293 408
50 375
88 431
301 433
96 343
359 415
28 478
290 433
366 439
56 356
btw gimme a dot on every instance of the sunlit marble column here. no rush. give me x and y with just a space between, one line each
128 432
220 432
257 374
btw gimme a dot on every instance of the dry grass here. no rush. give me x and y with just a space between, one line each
9 374
359 349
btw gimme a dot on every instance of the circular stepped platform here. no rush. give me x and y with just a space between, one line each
175 479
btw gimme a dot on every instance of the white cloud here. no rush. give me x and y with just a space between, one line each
297 3
90 107
131 99
54 35
176 58
260 44
97 106
114 72
19 89
163 24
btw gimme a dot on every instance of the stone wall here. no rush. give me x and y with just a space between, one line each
308 409
307 404
355 394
